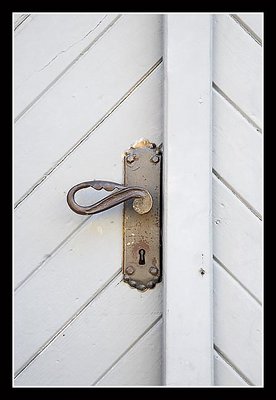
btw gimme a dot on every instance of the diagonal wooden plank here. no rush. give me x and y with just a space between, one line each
46 209
237 238
187 197
47 46
69 277
19 19
237 325
237 66
88 346
66 282
237 152
224 374
82 97
140 366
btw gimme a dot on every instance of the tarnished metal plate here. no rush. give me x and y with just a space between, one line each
142 232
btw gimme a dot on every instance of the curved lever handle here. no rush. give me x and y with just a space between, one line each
142 199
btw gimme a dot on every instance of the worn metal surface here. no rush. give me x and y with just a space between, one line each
142 233
142 199
142 226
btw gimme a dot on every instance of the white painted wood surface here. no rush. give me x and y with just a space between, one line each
237 66
237 152
140 365
237 201
20 22
72 262
86 92
47 46
254 21
87 347
237 238
237 325
66 282
225 375
188 294
82 97
46 209
62 269
18 19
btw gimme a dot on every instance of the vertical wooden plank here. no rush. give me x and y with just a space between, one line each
188 352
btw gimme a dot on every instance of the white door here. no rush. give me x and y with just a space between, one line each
86 87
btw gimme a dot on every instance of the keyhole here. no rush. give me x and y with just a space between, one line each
142 257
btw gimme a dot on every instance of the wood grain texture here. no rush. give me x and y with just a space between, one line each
45 48
237 238
82 97
188 348
237 152
254 21
237 325
237 66
224 374
46 209
140 366
96 339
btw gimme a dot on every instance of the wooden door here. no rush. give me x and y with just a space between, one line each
87 86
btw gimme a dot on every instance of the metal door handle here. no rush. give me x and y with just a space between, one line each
142 203
141 195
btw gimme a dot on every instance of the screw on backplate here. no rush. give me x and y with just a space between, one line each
130 270
153 270
132 283
130 159
154 159
141 286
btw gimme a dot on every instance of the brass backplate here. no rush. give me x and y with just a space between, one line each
142 232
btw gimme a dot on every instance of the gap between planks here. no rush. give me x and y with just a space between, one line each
246 28
236 107
225 358
149 328
69 66
236 279
236 194
20 20
52 254
90 131
102 289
